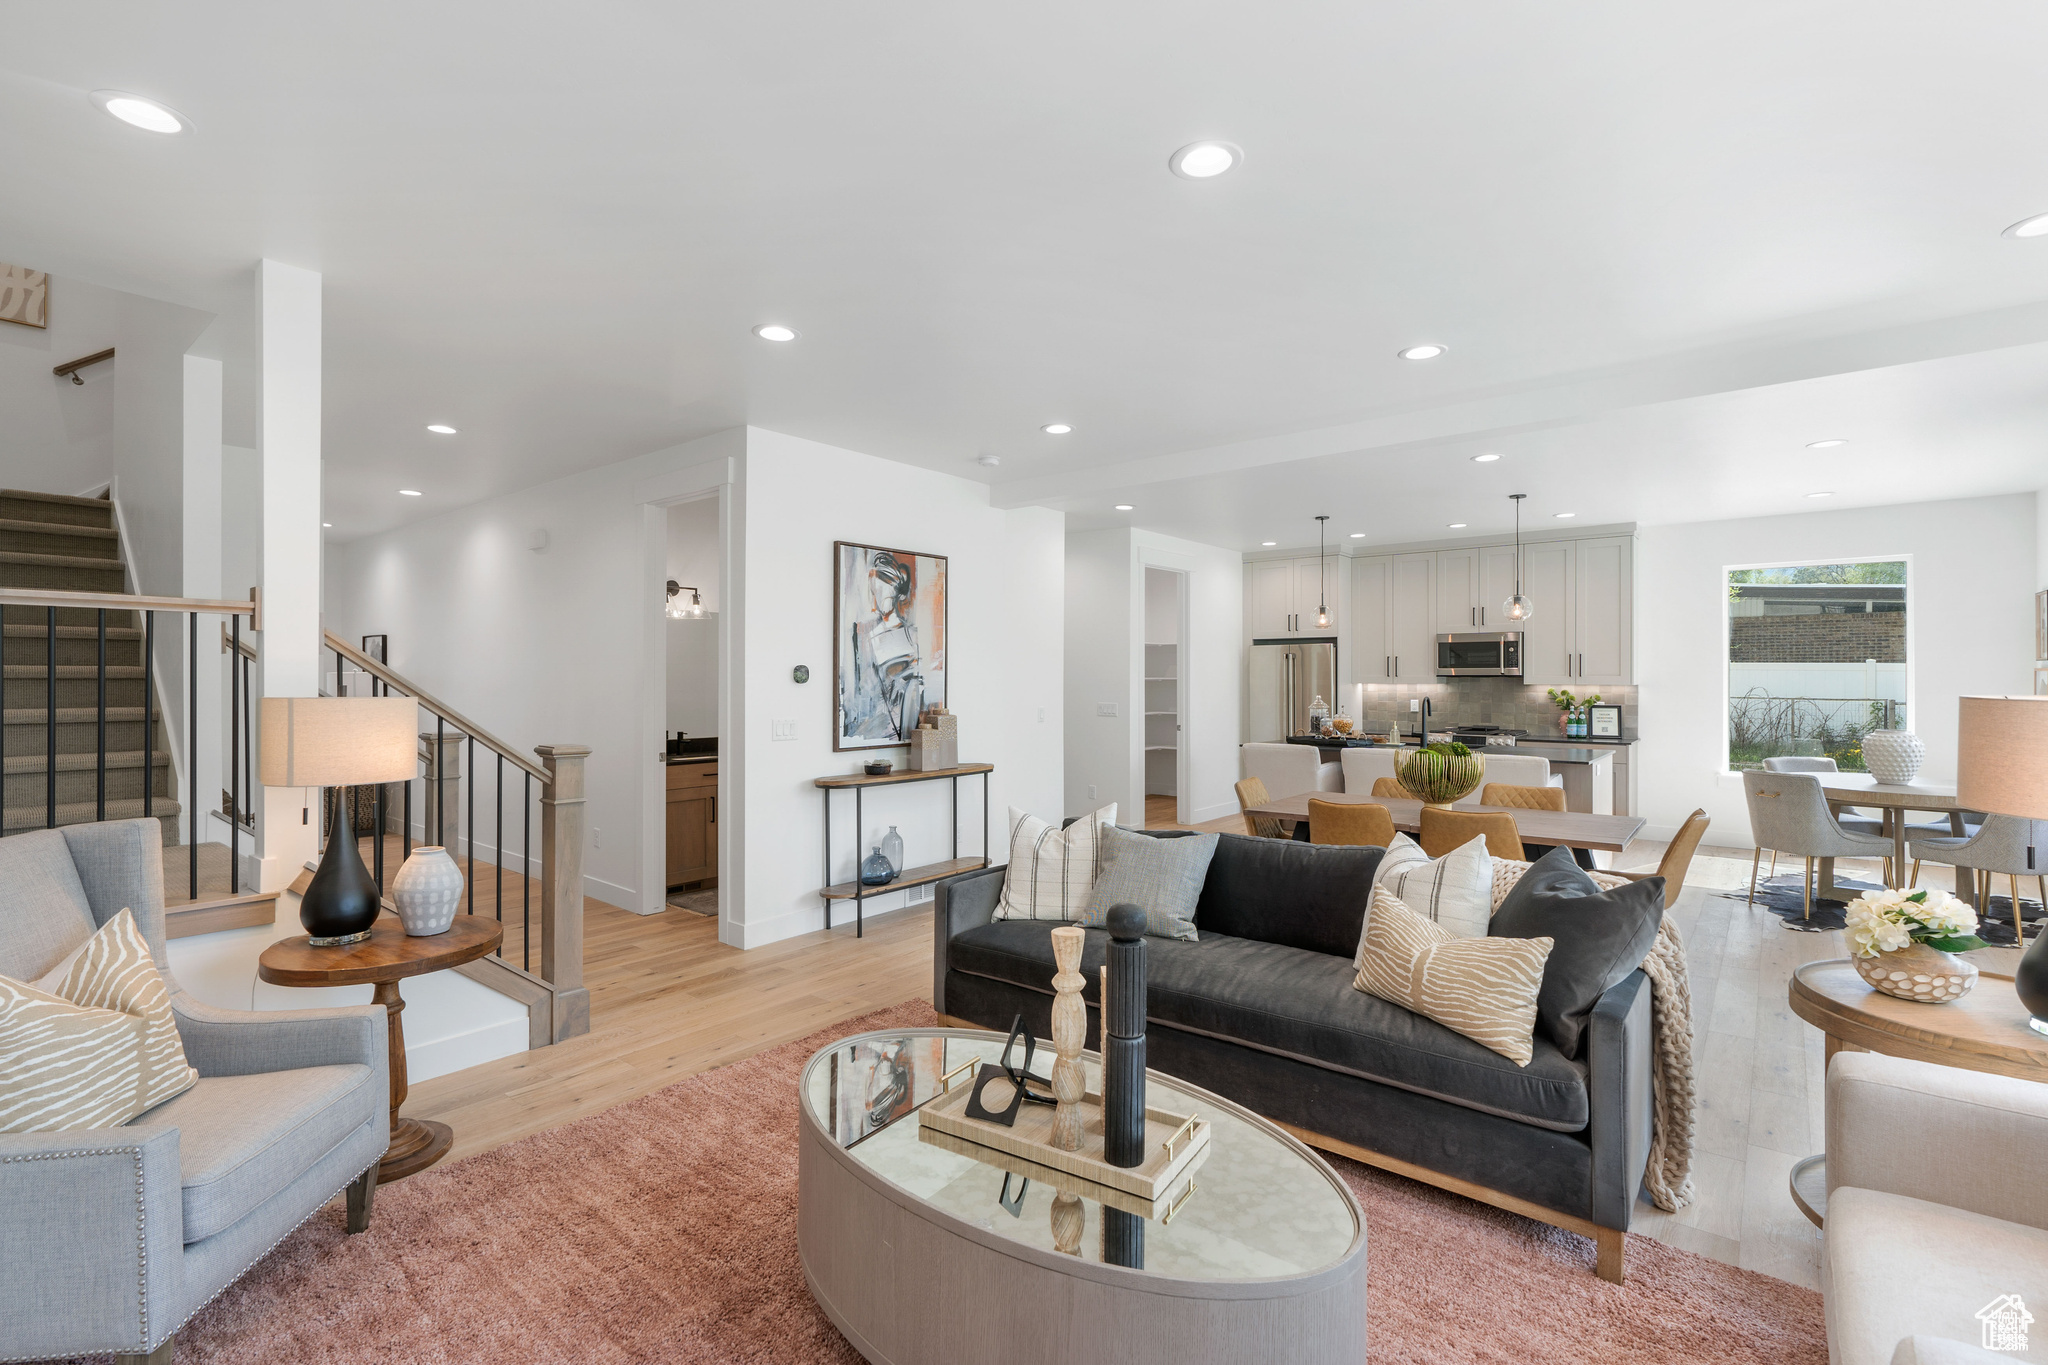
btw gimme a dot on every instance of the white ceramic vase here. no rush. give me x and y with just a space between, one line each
1893 756
427 891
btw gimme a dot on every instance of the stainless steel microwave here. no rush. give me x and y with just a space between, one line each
1486 654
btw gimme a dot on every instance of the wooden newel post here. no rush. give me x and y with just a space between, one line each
561 889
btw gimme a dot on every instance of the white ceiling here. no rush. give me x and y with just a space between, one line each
1667 246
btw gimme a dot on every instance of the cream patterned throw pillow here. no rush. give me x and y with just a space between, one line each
1484 988
1455 890
1507 871
99 1048
1052 870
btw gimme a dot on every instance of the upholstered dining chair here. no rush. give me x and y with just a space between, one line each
1346 822
1521 798
1252 792
117 1235
1677 857
1999 845
1291 769
1364 765
1504 765
1788 813
1384 787
1849 817
1444 830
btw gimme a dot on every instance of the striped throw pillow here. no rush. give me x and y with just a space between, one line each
1052 870
1455 890
98 1049
1484 988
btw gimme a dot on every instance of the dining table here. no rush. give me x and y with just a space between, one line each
1895 800
1571 828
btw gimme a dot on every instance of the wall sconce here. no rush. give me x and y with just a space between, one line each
678 610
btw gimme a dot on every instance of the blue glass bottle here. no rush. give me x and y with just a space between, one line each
875 869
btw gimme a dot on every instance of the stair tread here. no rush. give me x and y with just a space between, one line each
57 528
68 499
86 812
86 761
37 632
74 672
72 715
59 561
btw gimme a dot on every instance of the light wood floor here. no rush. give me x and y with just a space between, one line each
668 1000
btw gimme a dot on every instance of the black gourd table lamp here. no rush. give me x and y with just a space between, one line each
339 742
2002 769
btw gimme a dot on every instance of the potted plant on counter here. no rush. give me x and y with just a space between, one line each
1570 709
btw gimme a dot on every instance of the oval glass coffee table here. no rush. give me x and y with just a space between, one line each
922 1255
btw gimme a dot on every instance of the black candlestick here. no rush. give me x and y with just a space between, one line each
1123 1040
1123 1238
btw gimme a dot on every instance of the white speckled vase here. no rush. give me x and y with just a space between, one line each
1918 972
427 891
1893 756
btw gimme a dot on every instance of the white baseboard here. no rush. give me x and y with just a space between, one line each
611 893
1204 814
760 933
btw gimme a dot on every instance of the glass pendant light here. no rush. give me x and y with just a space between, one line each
1322 608
1518 607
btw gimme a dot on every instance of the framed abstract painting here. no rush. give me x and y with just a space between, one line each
888 642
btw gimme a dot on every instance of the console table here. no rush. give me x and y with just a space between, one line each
910 876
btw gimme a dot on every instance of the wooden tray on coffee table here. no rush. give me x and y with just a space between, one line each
1172 1142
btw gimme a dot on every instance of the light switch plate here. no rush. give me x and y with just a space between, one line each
1105 708
782 729
1415 703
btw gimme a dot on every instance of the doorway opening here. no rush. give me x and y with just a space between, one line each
694 596
1165 690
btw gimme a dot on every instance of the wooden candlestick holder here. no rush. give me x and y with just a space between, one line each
1069 1036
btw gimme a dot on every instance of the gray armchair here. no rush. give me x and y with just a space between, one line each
1788 813
113 1237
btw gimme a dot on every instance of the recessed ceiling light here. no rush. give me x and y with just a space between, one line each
988 461
1358 535
408 492
440 428
1429 350
1125 507
142 113
1824 493
1056 428
1456 526
1204 160
1269 544
1484 459
1564 516
775 331
1828 444
2037 226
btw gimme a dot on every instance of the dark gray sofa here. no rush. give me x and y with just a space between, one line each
1261 1010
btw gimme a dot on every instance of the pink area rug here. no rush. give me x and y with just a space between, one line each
635 1235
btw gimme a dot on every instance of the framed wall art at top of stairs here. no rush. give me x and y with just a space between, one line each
888 643
24 296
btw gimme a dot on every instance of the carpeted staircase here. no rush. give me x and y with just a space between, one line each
50 541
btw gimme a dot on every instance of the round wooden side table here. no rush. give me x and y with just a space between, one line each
1986 1030
384 959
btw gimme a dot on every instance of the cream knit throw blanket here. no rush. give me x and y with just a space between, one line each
1668 1176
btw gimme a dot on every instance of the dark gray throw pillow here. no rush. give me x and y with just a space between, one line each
1311 896
1162 877
1601 936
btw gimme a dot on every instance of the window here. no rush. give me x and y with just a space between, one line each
1816 659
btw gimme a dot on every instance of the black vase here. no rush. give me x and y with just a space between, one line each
341 902
2030 980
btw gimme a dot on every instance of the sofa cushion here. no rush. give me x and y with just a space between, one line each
241 1139
45 913
1161 877
1310 896
1598 937
1955 1264
1483 988
1298 1004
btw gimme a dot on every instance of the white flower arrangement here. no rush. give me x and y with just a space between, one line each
1886 921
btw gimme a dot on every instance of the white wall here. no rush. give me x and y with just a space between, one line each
1105 638
60 436
996 561
566 646
1969 630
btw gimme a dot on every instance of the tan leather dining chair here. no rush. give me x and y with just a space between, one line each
1391 786
1343 822
1444 830
1521 798
1677 857
1252 792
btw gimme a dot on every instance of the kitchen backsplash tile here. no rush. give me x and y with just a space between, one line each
1477 701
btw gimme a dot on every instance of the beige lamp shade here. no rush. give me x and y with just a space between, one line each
2002 756
339 741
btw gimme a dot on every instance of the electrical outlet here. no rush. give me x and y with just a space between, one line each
1415 703
1105 708
782 729
596 837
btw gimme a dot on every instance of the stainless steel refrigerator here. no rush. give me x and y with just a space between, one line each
1285 676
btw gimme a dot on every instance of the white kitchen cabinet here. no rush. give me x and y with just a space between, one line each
1457 591
1601 596
1547 636
1496 586
1372 656
1411 617
1285 593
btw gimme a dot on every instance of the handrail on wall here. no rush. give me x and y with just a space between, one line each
128 601
435 705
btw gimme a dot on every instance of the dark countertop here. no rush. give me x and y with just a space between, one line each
1628 737
677 760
